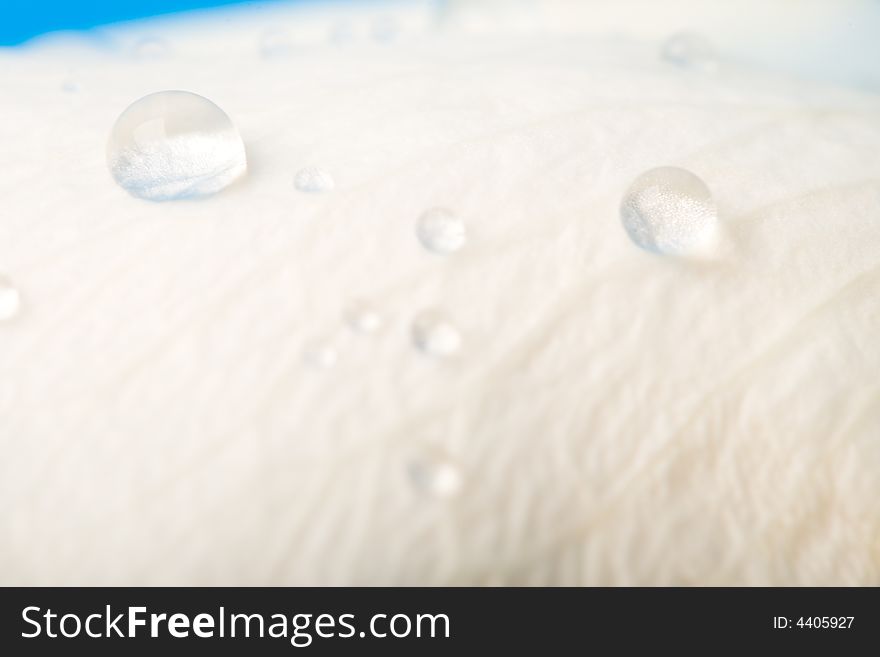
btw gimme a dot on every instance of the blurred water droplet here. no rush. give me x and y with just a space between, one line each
669 210
151 48
435 335
441 231
70 87
690 51
10 300
174 145
275 42
385 29
361 317
313 180
341 33
320 354
436 475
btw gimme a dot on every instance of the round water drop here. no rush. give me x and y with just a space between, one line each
174 145
313 180
669 210
440 231
362 318
10 300
320 354
690 51
151 48
435 475
435 335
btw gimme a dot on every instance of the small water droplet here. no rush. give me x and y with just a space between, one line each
361 317
275 43
320 354
669 210
174 145
313 180
69 87
10 300
690 51
435 335
151 48
436 475
441 231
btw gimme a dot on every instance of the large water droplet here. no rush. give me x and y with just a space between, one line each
313 180
361 317
669 210
320 354
441 231
174 145
690 51
434 334
10 300
436 475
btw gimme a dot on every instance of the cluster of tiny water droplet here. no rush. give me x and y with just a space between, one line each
433 333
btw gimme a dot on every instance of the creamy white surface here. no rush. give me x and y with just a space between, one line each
616 417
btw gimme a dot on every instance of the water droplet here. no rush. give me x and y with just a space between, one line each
174 145
435 475
361 317
313 180
341 33
435 335
69 87
320 354
151 48
669 210
10 300
441 231
275 43
690 51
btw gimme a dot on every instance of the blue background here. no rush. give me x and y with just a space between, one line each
22 19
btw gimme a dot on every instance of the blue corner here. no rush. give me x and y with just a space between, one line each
21 20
